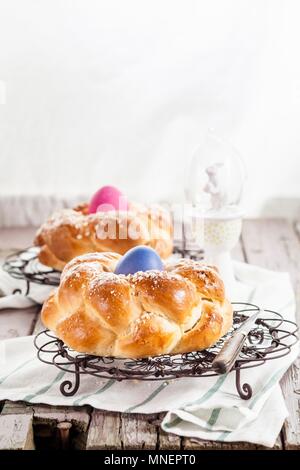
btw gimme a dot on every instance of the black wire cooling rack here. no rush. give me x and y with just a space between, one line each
25 265
272 337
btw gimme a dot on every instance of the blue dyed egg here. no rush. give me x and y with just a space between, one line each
140 258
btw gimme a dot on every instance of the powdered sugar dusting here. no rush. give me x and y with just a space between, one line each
154 275
143 319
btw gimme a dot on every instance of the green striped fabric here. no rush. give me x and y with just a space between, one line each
149 398
105 387
45 389
201 400
17 369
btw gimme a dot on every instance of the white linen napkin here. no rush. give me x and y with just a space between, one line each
206 408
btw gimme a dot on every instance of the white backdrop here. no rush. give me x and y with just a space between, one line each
120 92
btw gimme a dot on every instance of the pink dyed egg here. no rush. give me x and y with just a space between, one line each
108 198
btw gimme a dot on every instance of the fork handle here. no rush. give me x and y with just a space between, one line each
225 359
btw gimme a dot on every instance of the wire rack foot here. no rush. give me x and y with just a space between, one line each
244 390
67 388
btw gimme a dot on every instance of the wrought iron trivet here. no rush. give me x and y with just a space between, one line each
271 338
25 265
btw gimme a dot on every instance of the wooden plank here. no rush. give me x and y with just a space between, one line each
138 431
273 243
165 441
16 408
16 426
78 416
290 385
47 420
16 432
104 431
169 441
47 414
238 252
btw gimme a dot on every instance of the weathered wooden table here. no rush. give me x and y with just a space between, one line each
271 243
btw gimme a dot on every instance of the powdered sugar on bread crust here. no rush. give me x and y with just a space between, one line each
72 232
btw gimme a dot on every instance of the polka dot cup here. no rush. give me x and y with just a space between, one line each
222 234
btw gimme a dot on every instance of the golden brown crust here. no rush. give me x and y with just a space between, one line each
205 278
95 311
150 335
73 232
84 334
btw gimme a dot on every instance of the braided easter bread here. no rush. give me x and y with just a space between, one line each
73 232
95 311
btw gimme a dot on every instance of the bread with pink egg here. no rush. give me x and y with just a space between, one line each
110 222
